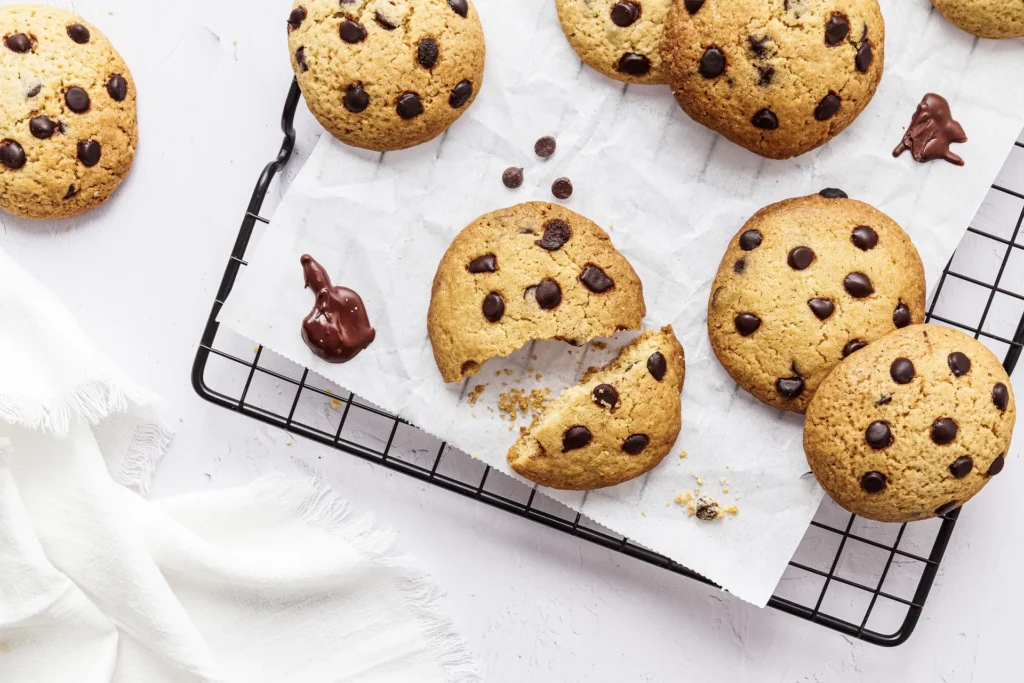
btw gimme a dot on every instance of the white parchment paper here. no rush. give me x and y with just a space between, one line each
671 194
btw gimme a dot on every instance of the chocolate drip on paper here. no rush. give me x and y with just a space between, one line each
337 328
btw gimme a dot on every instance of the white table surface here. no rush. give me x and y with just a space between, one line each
140 274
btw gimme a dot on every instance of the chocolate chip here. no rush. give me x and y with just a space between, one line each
78 33
692 6
409 105
747 324
494 307
77 99
740 266
89 152
544 147
858 285
901 316
461 7
873 482
625 13
635 444
12 155
944 430
765 120
300 58
712 64
822 308
41 127
759 45
296 18
512 177
561 188
72 191
996 467
34 90
961 467
766 74
883 400
426 53
1001 396
549 294
488 263
946 509
633 64
828 107
595 279
833 193
959 364
461 93
574 437
384 22
356 99
837 29
352 31
800 258
790 387
878 435
902 371
750 240
853 346
556 234
864 57
19 42
605 395
657 366
117 86
864 238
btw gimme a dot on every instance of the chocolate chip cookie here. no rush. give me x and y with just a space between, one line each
67 114
616 424
779 77
985 18
386 74
532 271
805 283
619 38
913 426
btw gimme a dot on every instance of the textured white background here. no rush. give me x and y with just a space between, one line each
141 273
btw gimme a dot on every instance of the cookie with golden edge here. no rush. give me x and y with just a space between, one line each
985 18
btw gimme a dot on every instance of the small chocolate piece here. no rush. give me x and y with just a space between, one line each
427 53
460 7
635 444
488 263
625 13
352 31
750 240
864 238
549 294
657 366
873 482
556 233
544 147
300 59
944 430
561 188
72 191
944 510
747 324
512 177
12 154
78 33
836 30
864 57
1001 396
634 64
89 152
296 18
409 105
828 107
117 86
853 346
494 307
740 266
883 400
712 63
337 328
77 99
759 45
692 6
19 42
959 363
996 467
800 258
461 93
41 127
931 131
902 371
384 22
790 387
765 75
878 435
356 99
858 285
833 193
822 308
961 467
595 279
605 395
34 90
574 437
765 120
901 316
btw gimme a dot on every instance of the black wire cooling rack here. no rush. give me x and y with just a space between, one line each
863 579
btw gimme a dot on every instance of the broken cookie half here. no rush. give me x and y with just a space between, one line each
616 424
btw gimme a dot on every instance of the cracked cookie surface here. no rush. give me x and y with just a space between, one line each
67 114
531 271
616 424
805 283
778 77
386 74
913 426
985 18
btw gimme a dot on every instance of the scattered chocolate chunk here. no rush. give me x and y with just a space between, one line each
944 510
878 435
117 86
549 294
853 346
72 191
575 437
828 107
747 324
712 64
595 279
634 64
494 307
337 328
296 18
944 431
864 238
625 13
800 258
427 53
300 59
356 99
488 263
33 90
858 285
883 400
901 316
765 120
837 28
12 154
78 33
765 75
460 94
384 22
996 467
961 467
759 45
740 266
544 147
902 371
822 308
605 395
750 240
18 42
790 387
931 131
352 31
561 188
959 363
692 6
409 105
657 366
77 99
873 482
41 127
833 193
89 152
512 177
556 234
635 444
460 7
864 57
1000 395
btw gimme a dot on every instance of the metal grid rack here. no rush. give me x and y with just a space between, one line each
866 580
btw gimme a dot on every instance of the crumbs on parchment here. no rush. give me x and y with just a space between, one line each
516 402
599 345
474 395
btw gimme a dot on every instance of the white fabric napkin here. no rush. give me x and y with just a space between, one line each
276 581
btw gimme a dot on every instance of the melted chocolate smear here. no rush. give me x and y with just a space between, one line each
337 328
931 131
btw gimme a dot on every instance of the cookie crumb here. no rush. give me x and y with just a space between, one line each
682 456
699 479
725 489
288 442
516 402
600 345
683 497
474 395
723 480
643 514
256 348
335 403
